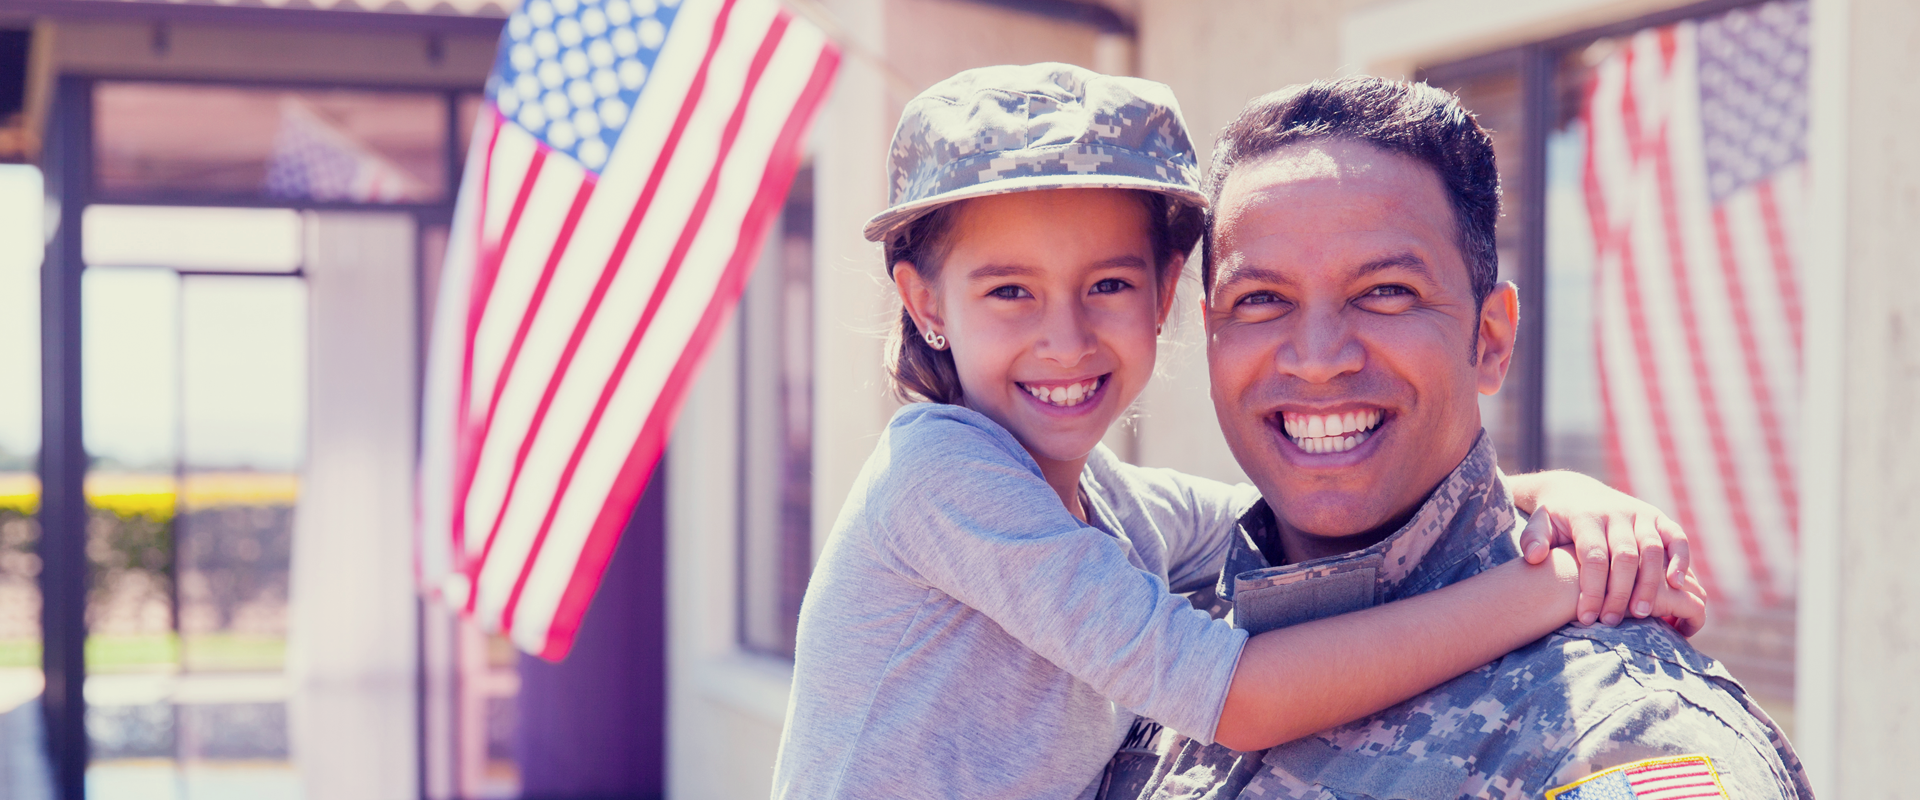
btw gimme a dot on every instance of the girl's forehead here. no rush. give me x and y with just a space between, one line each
1053 212
1066 233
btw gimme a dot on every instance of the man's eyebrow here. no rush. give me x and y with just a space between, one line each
1406 261
1253 275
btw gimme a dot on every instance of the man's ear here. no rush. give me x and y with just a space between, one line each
916 294
1499 329
1169 286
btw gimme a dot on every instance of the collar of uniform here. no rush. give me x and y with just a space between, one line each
1458 521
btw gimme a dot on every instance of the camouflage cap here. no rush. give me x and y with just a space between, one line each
996 130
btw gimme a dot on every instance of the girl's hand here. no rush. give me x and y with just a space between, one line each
1685 608
1625 545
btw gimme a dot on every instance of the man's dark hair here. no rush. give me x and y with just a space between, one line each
1413 119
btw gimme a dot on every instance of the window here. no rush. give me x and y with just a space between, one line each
192 275
776 410
1656 201
242 143
196 375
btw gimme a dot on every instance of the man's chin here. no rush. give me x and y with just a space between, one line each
1331 496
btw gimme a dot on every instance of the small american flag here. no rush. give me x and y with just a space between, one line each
631 159
1695 183
313 159
1676 778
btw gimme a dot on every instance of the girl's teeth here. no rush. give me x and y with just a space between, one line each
1065 395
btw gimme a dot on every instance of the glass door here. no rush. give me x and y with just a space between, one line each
195 363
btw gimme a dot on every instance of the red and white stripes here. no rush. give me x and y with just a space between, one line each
587 302
1697 319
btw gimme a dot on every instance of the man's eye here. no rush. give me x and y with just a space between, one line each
1111 285
1259 307
1387 299
1008 292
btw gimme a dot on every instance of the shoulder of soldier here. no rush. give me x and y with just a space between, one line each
1644 692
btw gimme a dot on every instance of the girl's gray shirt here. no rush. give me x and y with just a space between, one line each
964 636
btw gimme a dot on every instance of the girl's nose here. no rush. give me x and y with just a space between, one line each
1066 337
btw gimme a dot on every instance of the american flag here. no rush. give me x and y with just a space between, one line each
1695 183
1689 777
631 159
313 159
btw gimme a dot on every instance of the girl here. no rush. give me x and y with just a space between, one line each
997 599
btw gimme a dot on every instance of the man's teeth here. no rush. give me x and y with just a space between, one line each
1065 396
1330 433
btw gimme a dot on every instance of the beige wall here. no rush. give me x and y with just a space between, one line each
1876 638
354 633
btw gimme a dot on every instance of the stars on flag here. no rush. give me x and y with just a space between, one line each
571 71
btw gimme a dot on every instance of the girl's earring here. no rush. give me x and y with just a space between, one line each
935 341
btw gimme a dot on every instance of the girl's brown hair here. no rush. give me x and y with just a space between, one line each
920 373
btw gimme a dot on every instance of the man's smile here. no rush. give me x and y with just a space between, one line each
1335 432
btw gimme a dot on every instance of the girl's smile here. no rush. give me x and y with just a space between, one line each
1077 394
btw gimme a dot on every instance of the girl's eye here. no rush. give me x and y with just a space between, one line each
1111 285
1008 292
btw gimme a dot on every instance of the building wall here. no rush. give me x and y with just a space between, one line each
354 636
1877 646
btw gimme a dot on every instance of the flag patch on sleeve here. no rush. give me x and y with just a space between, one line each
1690 777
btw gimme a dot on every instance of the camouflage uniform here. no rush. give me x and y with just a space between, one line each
1579 701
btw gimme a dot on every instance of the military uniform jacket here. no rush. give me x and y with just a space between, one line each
1577 702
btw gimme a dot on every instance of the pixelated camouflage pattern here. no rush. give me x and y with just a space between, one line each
1012 128
1576 702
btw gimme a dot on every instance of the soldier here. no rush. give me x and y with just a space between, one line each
1349 269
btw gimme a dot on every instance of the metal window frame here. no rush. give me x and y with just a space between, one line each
68 167
1535 64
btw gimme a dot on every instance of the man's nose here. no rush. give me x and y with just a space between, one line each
1066 334
1320 348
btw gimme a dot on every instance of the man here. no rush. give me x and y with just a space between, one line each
1349 269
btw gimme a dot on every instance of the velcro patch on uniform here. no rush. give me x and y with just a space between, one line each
1690 777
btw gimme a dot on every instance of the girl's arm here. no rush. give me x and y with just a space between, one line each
1308 677
1623 543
